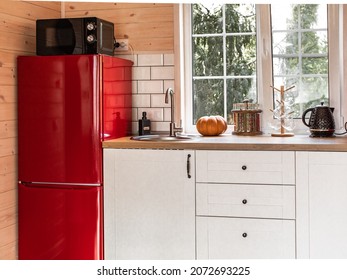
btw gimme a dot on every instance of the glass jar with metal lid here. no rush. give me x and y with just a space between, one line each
246 118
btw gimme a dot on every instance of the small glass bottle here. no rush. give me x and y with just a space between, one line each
144 125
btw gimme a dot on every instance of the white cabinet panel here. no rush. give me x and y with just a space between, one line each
259 167
149 204
236 200
234 238
322 205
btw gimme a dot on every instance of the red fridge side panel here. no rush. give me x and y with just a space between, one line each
60 223
117 89
59 126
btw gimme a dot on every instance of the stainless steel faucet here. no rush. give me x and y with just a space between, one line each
173 128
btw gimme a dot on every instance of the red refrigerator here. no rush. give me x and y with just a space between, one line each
67 105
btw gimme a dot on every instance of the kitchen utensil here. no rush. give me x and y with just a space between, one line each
321 121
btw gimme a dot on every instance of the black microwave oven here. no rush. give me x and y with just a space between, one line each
66 36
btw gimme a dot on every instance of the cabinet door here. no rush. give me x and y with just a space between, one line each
149 204
235 238
322 204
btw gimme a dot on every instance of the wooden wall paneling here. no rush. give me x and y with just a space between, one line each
8 111
9 58
8 199
17 37
9 251
8 129
8 75
8 217
151 14
8 165
13 24
148 30
8 147
149 27
85 6
30 10
8 93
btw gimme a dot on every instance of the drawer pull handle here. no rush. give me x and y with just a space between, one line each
188 166
244 167
244 201
244 235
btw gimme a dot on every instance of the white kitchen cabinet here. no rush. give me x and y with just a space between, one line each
321 204
149 204
245 204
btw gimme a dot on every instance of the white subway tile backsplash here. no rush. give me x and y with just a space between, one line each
154 114
162 73
160 126
169 84
167 114
134 87
150 86
130 57
141 73
141 100
152 75
150 59
169 59
158 100
134 114
135 128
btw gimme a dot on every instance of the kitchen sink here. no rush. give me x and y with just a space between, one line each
154 137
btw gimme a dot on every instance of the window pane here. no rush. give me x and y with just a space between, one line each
285 42
241 55
208 56
207 18
313 90
314 42
314 16
240 18
300 55
314 65
283 66
238 90
208 98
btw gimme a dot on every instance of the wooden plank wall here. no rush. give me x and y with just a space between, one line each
149 27
17 37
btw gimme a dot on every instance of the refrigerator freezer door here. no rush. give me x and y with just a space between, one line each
59 126
60 223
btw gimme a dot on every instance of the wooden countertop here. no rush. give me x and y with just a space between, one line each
233 142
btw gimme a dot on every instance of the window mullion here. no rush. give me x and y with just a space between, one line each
224 67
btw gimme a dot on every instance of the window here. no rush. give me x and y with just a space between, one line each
224 57
300 53
236 51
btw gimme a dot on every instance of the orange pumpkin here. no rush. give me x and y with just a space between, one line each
211 125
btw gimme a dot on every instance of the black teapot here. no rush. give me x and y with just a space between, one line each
321 122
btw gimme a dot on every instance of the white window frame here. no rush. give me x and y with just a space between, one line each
336 22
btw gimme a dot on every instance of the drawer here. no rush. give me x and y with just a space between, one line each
234 238
252 167
254 201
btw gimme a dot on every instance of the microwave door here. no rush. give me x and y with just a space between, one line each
59 37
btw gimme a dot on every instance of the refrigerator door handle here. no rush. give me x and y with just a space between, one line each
60 184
